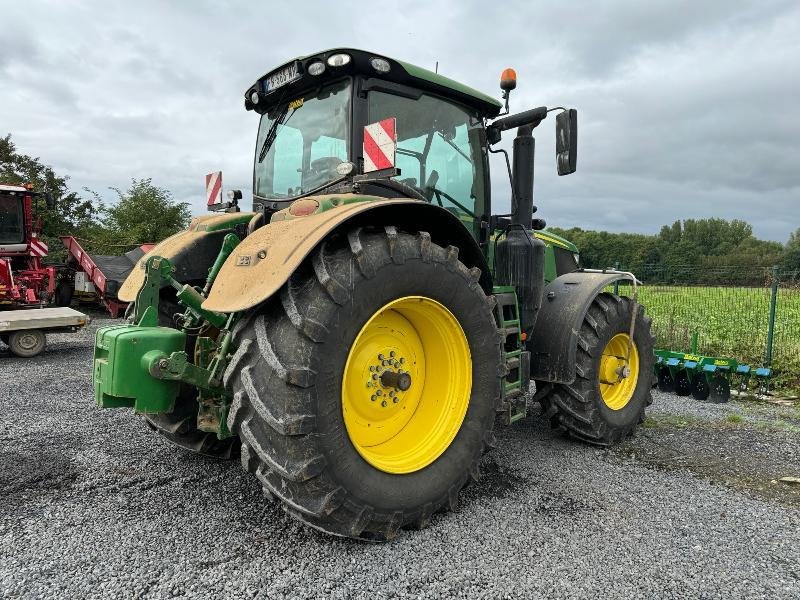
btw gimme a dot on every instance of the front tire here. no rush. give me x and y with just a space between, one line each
316 436
600 407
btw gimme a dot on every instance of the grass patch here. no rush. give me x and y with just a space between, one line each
778 425
734 418
731 322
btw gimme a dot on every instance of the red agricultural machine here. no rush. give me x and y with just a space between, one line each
24 281
97 277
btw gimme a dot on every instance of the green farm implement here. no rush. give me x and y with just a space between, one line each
357 334
706 377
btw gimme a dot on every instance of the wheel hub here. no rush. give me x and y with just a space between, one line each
27 341
618 376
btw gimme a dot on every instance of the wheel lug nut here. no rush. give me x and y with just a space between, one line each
392 354
375 376
395 399
402 360
373 398
380 357
383 404
379 393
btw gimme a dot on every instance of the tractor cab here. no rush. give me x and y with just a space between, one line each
346 120
12 219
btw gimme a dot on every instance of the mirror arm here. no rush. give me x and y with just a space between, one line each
530 118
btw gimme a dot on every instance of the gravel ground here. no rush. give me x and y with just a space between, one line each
95 505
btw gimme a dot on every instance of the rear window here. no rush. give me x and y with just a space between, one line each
11 230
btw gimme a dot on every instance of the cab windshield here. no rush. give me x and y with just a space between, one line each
11 231
301 141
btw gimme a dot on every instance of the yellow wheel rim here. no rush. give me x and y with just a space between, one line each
615 387
406 385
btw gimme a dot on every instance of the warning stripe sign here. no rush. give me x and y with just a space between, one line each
380 145
214 188
37 248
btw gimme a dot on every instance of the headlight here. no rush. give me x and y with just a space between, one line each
338 60
381 65
316 68
254 97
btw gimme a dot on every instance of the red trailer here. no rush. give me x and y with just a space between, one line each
99 274
24 281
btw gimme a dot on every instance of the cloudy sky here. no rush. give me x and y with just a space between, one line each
686 109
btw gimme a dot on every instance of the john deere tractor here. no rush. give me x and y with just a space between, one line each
361 330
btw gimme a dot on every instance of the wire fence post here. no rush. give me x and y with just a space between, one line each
616 283
773 301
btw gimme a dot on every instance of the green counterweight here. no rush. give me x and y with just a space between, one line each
142 365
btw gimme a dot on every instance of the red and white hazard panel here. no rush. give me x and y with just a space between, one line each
380 145
214 188
37 247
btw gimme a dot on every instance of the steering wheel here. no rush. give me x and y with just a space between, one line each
320 170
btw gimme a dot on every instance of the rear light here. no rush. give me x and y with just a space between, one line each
303 207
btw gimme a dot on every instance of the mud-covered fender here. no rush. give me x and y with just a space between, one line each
565 301
191 251
266 258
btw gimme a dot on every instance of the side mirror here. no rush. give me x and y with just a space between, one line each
49 201
567 141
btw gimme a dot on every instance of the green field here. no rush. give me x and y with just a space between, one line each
730 322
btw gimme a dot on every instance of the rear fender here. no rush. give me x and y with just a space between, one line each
565 301
191 252
266 258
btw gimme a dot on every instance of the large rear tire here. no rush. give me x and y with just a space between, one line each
346 448
600 407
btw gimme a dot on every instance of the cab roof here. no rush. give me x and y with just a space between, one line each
360 64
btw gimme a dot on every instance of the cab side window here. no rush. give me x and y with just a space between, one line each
438 151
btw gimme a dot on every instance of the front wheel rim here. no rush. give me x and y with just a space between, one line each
616 389
28 342
406 384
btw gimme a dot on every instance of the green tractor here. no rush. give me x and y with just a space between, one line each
359 332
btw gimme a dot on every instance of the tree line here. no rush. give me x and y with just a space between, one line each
700 251
141 213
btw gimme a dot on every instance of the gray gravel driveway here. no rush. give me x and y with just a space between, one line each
93 504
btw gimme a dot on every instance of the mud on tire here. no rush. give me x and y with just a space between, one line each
286 379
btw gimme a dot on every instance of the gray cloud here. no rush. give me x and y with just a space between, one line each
687 109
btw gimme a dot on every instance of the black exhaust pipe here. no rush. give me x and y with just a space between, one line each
519 255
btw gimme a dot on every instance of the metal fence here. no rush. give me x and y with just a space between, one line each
748 313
